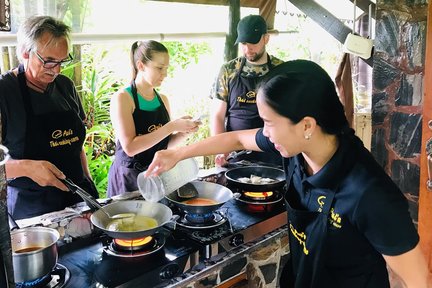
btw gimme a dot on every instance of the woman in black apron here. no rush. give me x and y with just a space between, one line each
141 118
347 220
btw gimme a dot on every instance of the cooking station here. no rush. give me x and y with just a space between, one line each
182 249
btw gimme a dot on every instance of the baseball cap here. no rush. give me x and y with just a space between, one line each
250 29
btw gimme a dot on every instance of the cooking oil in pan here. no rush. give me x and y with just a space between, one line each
132 224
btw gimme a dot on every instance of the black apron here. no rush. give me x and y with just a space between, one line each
242 112
124 170
56 137
307 235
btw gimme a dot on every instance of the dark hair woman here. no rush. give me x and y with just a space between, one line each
141 117
347 219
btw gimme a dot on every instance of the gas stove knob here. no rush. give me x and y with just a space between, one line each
236 240
169 271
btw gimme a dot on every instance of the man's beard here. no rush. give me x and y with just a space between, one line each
255 57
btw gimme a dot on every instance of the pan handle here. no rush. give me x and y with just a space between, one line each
89 199
13 225
172 222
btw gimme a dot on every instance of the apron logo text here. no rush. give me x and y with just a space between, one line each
59 133
301 237
68 141
244 100
154 127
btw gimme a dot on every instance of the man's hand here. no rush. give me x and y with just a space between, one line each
43 173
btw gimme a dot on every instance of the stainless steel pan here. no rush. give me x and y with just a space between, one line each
103 216
207 190
234 174
160 212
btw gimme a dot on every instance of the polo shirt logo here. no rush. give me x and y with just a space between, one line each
335 219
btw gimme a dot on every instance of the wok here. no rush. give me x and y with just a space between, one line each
101 217
234 174
160 212
207 190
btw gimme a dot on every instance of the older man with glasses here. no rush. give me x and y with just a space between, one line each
42 122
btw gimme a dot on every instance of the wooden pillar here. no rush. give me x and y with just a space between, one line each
425 196
231 50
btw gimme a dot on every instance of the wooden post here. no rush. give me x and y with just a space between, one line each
231 50
425 196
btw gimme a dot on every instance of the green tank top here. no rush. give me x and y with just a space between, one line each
143 103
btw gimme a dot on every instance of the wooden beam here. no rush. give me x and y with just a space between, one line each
425 196
231 50
243 3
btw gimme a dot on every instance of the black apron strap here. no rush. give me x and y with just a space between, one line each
24 89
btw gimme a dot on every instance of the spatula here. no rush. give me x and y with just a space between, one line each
187 191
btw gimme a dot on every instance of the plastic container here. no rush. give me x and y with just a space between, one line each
154 188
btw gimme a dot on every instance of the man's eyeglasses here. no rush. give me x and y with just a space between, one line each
50 64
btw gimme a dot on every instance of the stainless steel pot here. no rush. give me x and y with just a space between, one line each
34 252
216 192
160 212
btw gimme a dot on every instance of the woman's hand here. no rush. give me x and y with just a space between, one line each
163 161
185 124
220 160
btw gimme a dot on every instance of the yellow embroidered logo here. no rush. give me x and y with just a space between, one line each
335 219
301 237
61 133
154 127
249 98
67 135
251 94
320 201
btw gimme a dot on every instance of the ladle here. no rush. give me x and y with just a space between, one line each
91 201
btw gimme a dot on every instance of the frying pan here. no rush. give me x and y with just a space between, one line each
207 190
101 218
234 174
160 212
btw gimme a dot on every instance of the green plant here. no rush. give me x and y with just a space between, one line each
97 85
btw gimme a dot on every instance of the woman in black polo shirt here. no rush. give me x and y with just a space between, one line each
347 219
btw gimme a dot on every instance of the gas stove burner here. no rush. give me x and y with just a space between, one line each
260 196
134 244
135 248
200 218
260 205
213 219
58 278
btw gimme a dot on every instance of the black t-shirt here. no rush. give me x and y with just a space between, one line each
369 215
13 115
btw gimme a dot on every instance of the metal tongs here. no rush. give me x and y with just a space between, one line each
235 154
91 201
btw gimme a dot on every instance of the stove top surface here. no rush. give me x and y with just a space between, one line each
91 266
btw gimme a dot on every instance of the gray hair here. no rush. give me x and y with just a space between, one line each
34 27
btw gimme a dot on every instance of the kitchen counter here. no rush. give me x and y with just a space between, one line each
258 262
